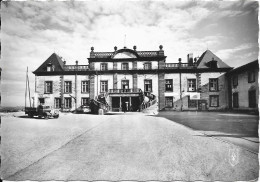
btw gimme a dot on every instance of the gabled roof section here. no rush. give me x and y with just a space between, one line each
208 56
55 60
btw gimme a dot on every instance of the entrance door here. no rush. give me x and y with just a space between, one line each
125 104
202 105
115 104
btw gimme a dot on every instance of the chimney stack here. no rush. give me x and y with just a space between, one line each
190 59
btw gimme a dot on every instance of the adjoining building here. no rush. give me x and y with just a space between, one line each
244 89
128 79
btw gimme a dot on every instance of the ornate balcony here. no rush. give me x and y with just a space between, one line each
124 91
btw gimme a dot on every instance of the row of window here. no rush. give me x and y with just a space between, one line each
250 78
251 99
67 102
213 86
48 87
213 102
124 66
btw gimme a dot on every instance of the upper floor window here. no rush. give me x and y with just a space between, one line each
147 66
191 85
103 86
168 85
125 84
125 66
148 85
84 86
67 86
251 76
213 84
103 66
48 87
235 80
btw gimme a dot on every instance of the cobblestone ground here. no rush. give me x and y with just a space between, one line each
117 147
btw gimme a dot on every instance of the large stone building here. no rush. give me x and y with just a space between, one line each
128 79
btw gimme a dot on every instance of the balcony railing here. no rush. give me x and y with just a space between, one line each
76 67
103 54
179 65
148 53
132 90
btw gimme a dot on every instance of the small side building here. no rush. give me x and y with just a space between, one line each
244 89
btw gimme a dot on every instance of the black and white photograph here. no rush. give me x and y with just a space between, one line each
129 90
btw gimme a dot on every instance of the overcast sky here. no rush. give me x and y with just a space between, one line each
32 31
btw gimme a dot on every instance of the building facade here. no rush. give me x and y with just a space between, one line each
127 79
244 92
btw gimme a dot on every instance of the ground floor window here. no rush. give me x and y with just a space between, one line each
235 100
84 101
252 98
192 103
67 103
168 101
41 100
213 100
57 103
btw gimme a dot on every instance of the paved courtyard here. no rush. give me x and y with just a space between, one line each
117 147
239 129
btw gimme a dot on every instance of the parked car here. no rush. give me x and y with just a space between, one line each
83 109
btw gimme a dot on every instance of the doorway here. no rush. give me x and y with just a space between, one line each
202 105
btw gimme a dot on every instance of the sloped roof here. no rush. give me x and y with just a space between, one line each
55 60
208 56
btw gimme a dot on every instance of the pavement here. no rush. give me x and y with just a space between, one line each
239 129
117 147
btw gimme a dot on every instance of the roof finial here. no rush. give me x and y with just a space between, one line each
125 41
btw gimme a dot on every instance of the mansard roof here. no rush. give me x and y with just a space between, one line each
208 56
54 60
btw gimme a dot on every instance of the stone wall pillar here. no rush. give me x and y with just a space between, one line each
135 81
92 87
161 91
115 81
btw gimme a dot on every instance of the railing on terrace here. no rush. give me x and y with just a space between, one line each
148 104
132 90
76 67
148 53
103 54
179 65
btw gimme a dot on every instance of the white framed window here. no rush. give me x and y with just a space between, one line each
67 86
103 66
148 86
147 66
213 84
168 85
103 86
57 103
191 85
85 86
84 101
48 87
213 100
125 66
67 102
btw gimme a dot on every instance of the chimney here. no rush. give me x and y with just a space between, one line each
64 62
77 62
190 59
